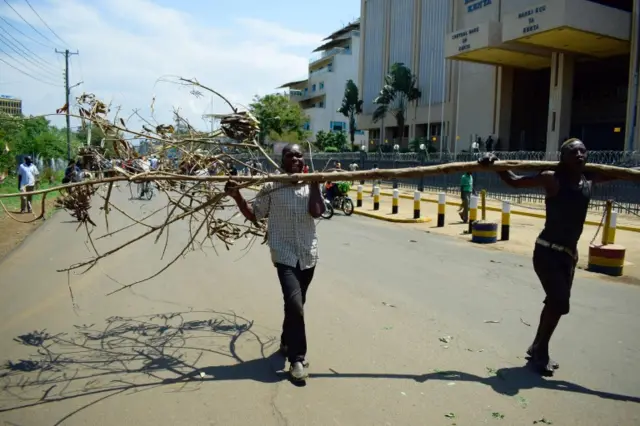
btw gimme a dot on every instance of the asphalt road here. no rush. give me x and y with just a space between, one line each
405 328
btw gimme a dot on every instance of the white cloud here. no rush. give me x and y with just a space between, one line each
126 45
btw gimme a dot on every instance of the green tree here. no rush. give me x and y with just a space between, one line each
350 108
400 89
278 117
331 141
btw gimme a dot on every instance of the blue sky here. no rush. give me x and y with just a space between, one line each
129 49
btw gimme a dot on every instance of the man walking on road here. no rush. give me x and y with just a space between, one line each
555 256
466 187
27 175
291 210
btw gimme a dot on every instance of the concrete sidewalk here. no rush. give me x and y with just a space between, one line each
523 233
628 222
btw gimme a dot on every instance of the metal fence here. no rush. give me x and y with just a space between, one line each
625 194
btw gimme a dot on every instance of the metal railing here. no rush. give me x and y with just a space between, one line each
330 52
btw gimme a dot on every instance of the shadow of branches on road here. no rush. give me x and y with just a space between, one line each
134 354
185 350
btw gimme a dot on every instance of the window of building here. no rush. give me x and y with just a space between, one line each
321 85
330 67
321 104
306 90
307 126
313 88
338 126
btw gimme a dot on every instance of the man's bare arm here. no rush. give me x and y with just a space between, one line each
244 206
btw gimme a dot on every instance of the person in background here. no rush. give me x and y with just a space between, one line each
153 162
353 167
71 173
291 209
466 188
27 177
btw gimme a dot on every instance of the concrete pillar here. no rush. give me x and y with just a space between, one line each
632 128
560 97
504 100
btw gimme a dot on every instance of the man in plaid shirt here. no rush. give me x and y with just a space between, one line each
292 210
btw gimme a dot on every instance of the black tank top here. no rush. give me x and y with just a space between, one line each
566 212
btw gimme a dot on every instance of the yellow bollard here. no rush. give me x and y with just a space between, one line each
473 212
417 197
607 221
359 199
376 197
442 204
395 201
484 204
611 238
506 221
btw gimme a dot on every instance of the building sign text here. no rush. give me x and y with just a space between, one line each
529 15
473 5
464 40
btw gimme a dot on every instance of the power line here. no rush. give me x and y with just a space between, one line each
27 74
27 36
21 52
45 24
44 61
41 75
28 23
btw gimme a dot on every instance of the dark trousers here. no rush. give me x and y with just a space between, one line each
295 283
555 271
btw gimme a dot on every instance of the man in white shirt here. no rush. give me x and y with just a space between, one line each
153 162
27 176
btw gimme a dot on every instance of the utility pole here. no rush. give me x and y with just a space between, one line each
66 54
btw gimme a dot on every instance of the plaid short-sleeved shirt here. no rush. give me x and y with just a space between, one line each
291 229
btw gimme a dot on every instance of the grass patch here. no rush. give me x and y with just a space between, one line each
10 186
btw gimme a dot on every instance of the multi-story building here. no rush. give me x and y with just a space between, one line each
10 105
331 66
529 73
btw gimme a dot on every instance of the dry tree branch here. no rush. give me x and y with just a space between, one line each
193 167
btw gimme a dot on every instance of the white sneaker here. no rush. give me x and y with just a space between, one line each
298 371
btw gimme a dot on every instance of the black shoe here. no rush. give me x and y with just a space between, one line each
551 363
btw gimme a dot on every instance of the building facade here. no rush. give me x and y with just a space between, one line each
528 73
320 95
10 105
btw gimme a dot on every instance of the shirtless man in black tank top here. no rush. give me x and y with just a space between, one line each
568 193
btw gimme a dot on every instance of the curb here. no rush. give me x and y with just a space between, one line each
391 219
513 212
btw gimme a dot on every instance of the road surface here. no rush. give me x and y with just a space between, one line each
405 328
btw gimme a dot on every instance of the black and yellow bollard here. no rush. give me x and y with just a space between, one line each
473 212
484 232
359 197
376 197
607 259
395 201
506 221
442 204
417 198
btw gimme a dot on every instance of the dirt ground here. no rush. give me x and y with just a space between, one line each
13 232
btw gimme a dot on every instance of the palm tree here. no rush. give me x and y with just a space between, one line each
351 106
400 88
